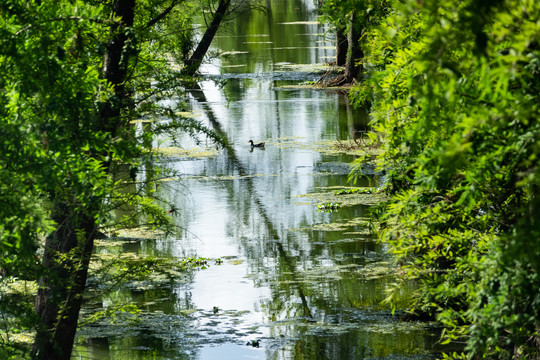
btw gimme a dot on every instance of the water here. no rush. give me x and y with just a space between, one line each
293 283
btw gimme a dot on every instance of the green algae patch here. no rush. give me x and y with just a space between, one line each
310 68
112 265
229 53
215 326
330 147
376 270
328 207
196 153
222 178
145 267
355 226
359 190
360 225
233 66
187 312
240 177
300 23
391 328
185 114
371 270
346 200
348 147
313 86
130 233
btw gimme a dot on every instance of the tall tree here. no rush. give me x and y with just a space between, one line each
68 249
68 89
342 44
454 92
121 46
355 54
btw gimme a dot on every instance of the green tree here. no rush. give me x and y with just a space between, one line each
454 92
69 74
55 96
353 20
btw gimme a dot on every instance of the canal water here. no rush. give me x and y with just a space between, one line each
284 280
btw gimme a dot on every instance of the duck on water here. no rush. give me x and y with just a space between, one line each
259 145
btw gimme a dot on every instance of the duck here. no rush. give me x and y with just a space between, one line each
261 144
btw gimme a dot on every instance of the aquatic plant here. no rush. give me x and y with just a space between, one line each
356 191
328 207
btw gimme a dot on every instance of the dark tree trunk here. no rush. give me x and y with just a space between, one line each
342 44
68 250
115 65
354 53
59 298
192 65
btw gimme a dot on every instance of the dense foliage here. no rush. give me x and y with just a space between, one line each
52 152
73 76
352 20
454 90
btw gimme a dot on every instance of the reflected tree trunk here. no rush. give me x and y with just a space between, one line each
192 65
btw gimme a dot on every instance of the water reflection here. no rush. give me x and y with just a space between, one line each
291 286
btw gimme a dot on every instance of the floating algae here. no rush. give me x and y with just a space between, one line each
136 233
345 200
310 68
357 226
329 147
196 153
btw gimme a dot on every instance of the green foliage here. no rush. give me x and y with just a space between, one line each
115 273
58 164
337 12
49 158
356 191
454 90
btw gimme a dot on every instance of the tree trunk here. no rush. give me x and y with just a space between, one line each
192 65
59 298
115 65
354 53
342 45
68 250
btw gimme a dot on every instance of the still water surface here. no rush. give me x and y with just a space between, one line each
290 286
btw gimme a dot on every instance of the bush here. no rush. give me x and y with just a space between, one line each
454 89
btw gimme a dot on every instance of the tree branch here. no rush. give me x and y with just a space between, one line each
73 18
163 14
